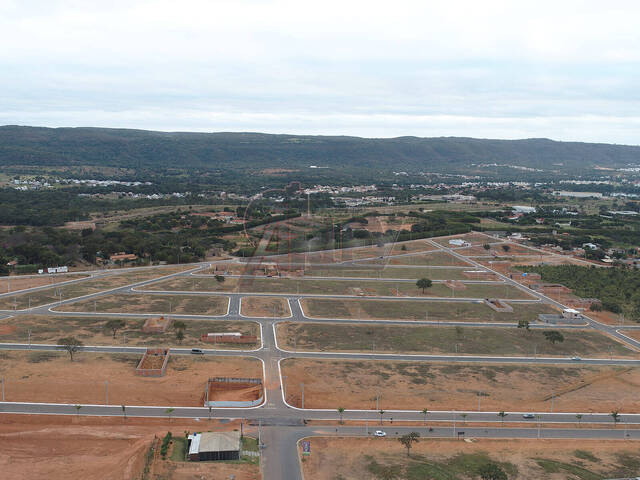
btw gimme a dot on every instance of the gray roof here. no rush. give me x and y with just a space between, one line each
215 442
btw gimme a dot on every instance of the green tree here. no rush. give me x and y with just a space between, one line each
425 412
124 411
219 278
78 407
424 283
180 335
486 246
408 440
554 336
114 325
381 412
341 413
523 324
579 418
491 471
506 248
71 345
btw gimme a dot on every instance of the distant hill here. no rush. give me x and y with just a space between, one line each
148 149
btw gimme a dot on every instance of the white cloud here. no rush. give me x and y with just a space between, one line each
565 70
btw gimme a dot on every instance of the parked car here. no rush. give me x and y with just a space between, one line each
380 433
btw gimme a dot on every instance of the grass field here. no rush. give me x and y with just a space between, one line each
17 282
338 287
154 304
444 340
433 258
78 289
442 459
92 331
388 271
455 386
372 309
378 288
195 284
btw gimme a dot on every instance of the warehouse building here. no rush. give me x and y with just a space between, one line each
208 446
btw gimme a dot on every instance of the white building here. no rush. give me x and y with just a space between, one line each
523 209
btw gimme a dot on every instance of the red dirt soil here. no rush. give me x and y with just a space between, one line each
96 448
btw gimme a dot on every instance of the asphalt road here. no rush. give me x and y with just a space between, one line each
284 425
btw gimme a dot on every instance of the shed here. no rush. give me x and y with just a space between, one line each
214 446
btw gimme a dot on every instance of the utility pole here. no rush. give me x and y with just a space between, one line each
106 392
302 395
29 333
259 433
2 389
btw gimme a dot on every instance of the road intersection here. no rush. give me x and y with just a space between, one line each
284 424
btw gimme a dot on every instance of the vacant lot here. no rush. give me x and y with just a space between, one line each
141 303
374 458
78 289
93 331
96 448
446 386
438 340
433 258
378 288
16 283
198 284
265 307
371 309
390 271
51 377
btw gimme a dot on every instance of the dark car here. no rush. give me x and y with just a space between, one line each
197 351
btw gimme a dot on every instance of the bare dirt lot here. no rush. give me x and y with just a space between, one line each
101 448
52 377
445 340
374 458
93 331
153 304
16 283
265 307
371 309
446 386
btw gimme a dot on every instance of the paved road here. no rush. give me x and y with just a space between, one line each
284 425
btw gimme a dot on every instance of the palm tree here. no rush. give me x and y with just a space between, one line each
210 408
169 411
424 412
78 407
464 418
579 418
341 412
381 412
616 417
124 411
502 415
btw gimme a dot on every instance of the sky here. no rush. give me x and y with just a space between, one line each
562 69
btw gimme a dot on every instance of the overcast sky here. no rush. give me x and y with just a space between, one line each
563 69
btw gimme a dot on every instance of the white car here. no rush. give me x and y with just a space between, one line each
380 433
576 359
